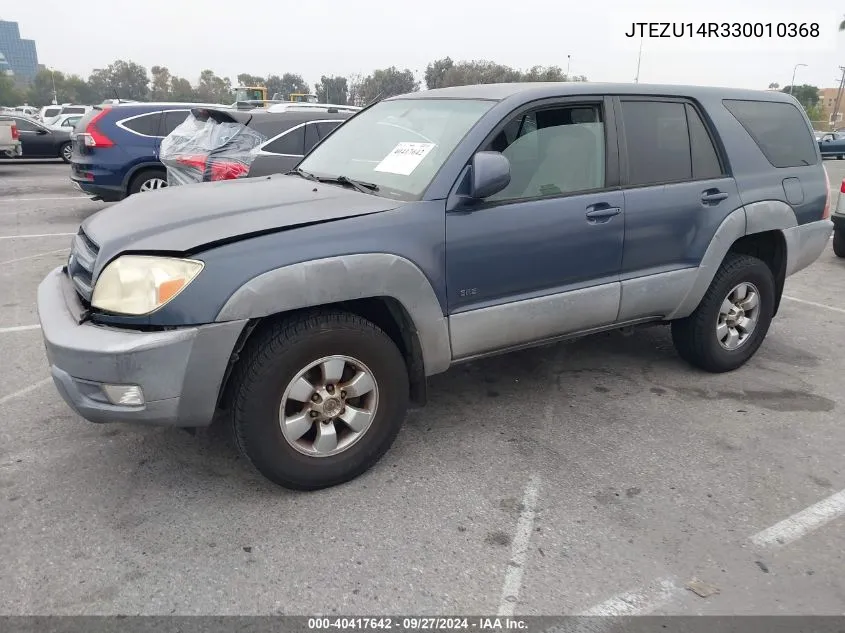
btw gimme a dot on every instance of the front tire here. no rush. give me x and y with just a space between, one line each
730 323
318 399
839 242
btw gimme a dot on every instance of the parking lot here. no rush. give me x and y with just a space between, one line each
598 476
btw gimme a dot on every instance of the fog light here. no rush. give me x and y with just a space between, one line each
124 394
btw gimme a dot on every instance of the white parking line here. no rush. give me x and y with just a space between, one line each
15 237
519 549
19 328
25 390
803 522
20 259
635 602
814 304
2 200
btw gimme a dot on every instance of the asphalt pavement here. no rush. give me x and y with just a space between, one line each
598 476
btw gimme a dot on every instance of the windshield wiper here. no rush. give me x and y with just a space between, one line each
363 187
303 174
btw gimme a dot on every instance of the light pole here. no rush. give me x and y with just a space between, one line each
568 64
55 95
792 83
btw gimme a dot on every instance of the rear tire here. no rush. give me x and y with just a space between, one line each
839 242
65 152
147 180
269 395
705 338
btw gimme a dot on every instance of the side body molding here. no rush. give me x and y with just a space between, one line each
757 217
345 278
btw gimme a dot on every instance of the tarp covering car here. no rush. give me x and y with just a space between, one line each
209 145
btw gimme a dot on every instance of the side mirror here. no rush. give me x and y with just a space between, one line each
491 172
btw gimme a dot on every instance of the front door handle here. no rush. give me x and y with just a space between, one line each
600 213
712 196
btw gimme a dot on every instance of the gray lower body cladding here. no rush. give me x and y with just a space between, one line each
179 371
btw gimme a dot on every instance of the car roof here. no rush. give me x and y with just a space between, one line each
159 105
539 90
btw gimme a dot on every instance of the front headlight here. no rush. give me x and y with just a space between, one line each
139 284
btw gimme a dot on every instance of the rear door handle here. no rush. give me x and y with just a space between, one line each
598 213
713 196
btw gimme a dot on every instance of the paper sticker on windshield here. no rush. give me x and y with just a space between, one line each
404 158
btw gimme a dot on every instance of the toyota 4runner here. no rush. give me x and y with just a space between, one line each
431 229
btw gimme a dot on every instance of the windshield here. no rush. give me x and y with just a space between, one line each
398 145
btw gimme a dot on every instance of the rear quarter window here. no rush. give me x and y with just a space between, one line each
145 125
291 143
779 129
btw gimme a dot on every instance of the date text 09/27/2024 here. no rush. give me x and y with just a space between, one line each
723 29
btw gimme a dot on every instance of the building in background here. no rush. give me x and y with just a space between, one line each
827 105
20 54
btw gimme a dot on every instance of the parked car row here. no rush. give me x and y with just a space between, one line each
120 149
38 140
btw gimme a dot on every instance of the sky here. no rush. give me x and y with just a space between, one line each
316 37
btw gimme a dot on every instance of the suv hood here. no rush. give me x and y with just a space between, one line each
188 217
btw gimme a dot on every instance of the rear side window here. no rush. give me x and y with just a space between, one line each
74 110
326 127
291 143
25 126
172 120
667 142
705 159
658 142
312 136
779 130
146 124
51 112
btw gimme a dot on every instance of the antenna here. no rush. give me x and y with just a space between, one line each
639 60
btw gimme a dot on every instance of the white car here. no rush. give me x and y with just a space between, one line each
63 121
52 111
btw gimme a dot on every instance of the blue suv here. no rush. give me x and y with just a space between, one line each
115 148
432 229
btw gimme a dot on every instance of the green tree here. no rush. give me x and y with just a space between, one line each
355 84
9 95
40 91
332 90
245 79
774 85
160 83
121 79
181 90
436 71
388 82
445 72
545 73
76 90
814 113
287 84
842 25
214 89
807 95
